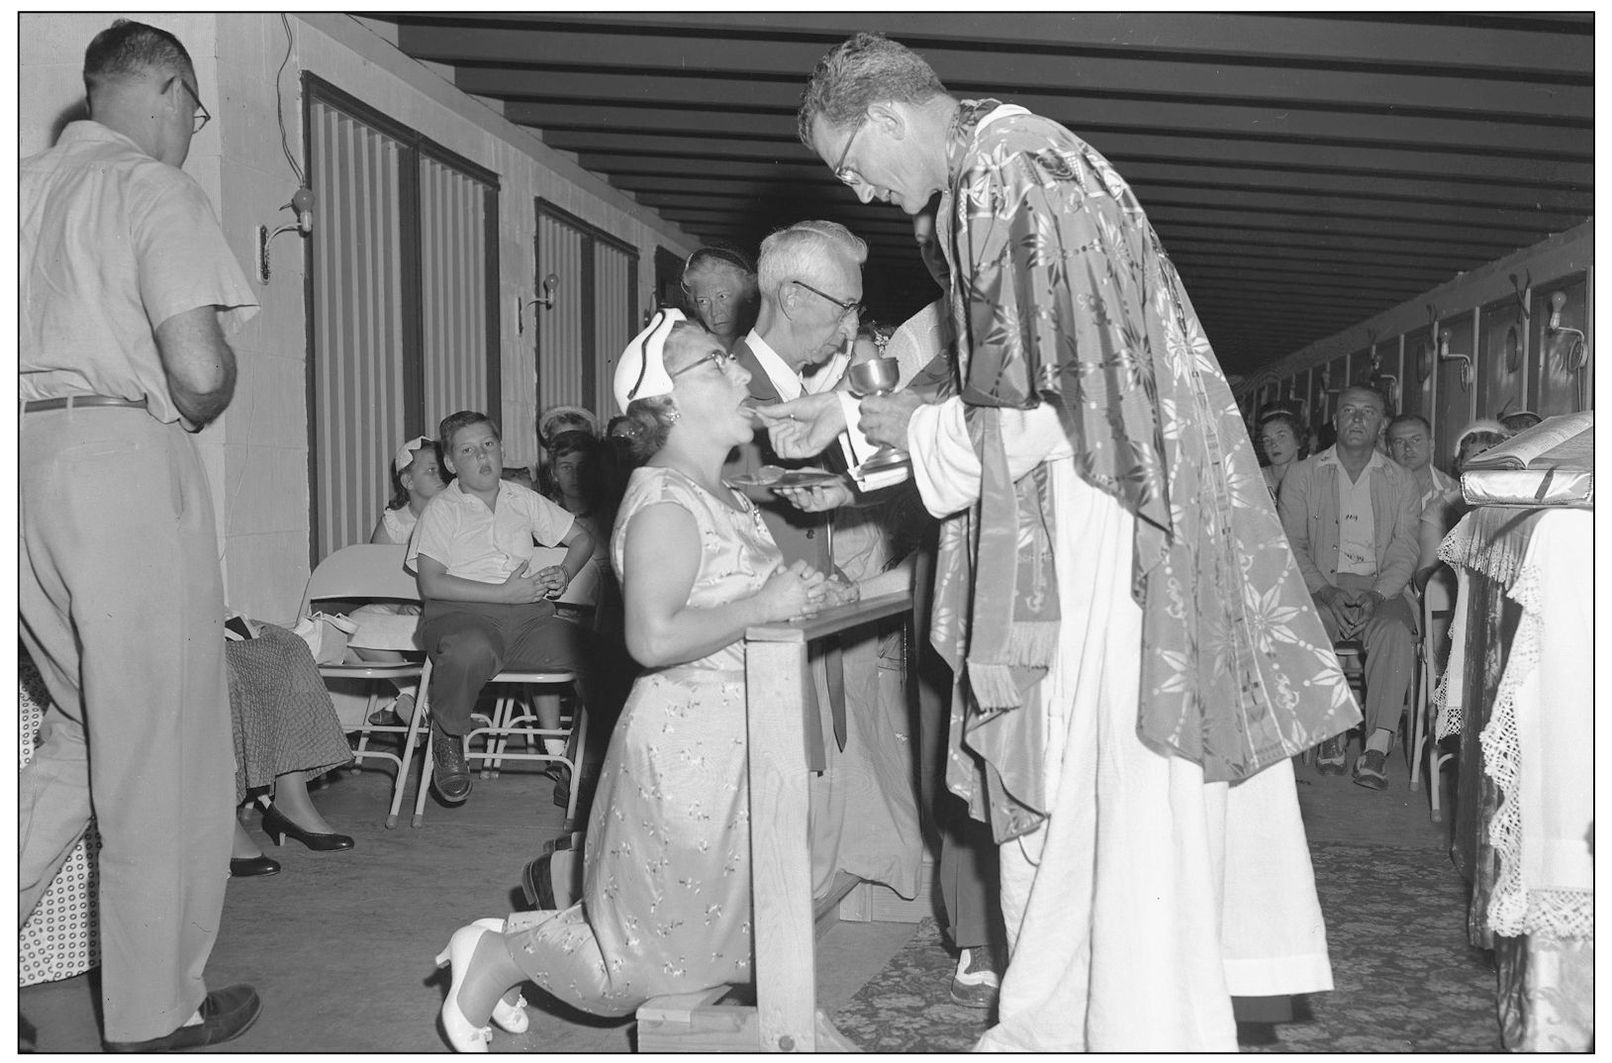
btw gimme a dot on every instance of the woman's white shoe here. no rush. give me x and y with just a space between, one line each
462 1036
510 1016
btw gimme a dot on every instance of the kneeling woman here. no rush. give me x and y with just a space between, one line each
666 896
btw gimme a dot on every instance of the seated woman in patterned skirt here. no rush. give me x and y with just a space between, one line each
666 900
286 733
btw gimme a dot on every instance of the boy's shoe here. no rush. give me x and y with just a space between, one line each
450 772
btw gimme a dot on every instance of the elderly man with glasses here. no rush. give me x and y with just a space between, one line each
810 276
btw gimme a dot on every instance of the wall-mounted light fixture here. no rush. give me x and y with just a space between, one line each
550 283
302 205
1445 355
1574 355
1387 383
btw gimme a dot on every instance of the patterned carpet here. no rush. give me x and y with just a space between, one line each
1405 979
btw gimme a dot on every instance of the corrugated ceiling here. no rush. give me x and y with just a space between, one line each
1304 171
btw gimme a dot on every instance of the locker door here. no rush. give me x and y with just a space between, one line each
1502 358
1419 360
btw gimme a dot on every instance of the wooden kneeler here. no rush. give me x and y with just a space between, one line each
785 1017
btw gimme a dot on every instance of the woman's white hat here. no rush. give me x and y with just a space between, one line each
557 419
641 373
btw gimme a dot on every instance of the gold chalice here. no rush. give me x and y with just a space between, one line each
877 376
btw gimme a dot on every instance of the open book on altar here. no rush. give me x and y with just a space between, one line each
1550 464
1565 441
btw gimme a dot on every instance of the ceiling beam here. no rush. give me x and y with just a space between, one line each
1453 42
1301 84
1150 175
1367 161
1350 232
1261 120
556 120
1294 200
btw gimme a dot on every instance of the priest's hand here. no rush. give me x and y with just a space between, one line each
885 417
819 497
803 427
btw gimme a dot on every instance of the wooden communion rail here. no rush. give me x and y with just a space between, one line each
785 1016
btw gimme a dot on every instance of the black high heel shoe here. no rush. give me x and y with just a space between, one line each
279 828
252 866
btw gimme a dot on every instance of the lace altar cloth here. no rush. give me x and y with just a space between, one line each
1536 744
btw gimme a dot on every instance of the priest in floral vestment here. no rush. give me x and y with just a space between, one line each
1137 655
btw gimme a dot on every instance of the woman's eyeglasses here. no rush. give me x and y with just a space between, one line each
723 359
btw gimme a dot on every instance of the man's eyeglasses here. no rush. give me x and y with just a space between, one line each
846 306
199 119
722 358
841 171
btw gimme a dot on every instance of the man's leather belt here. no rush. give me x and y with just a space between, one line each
70 401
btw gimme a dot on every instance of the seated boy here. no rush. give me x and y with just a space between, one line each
484 611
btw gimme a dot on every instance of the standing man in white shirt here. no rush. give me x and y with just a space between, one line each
127 287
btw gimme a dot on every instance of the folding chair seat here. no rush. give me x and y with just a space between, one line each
1351 658
370 572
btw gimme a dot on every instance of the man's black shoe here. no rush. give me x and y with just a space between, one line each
450 773
225 1015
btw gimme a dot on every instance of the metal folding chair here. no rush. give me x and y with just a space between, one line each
370 572
515 715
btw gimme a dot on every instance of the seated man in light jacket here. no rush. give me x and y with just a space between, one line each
1351 517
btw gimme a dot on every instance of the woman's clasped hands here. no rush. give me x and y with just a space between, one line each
797 589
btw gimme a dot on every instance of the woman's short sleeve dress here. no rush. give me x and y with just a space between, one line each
666 891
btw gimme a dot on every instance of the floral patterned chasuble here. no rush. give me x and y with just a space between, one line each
1061 292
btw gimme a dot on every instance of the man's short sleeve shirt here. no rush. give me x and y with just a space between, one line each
113 243
486 545
1358 548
